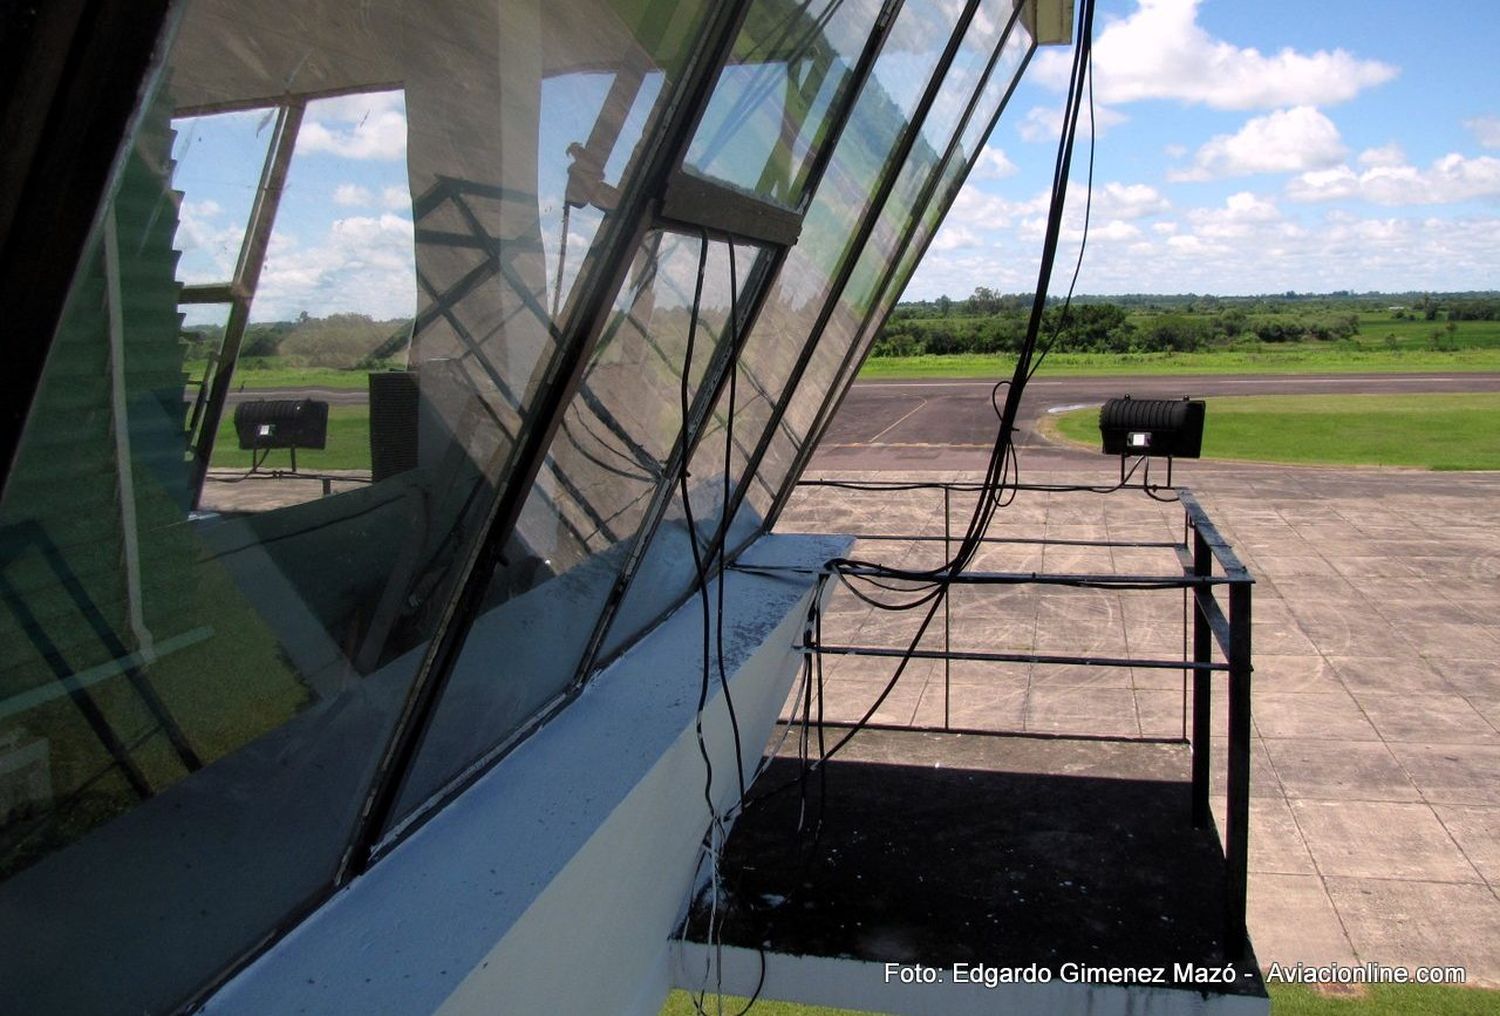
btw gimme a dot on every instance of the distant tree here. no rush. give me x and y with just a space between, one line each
985 301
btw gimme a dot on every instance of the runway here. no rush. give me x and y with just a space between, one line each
905 425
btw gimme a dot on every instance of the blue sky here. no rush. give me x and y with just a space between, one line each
1249 148
1242 148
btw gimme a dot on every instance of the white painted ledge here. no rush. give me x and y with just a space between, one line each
553 884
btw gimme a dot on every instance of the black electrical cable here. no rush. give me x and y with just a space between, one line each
733 337
1083 243
1002 465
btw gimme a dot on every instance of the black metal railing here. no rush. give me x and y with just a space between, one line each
1206 564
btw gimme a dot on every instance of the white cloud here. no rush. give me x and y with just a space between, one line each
1390 154
364 264
208 208
990 211
954 237
209 248
1129 201
1449 180
1486 129
993 164
1044 123
1286 141
397 199
1174 151
1161 52
352 195
1241 215
365 126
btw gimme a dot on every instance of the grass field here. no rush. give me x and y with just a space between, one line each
1291 358
1384 343
1286 1000
1428 431
253 375
348 444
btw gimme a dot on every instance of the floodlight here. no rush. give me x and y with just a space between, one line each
265 424
1163 427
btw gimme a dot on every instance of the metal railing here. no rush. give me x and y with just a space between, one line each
1207 565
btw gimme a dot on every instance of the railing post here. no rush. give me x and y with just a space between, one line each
1202 686
1237 838
947 601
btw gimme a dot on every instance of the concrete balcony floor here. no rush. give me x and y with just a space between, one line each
1008 852
1375 808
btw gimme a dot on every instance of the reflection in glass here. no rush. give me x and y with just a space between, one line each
771 110
800 290
216 159
819 399
607 463
193 702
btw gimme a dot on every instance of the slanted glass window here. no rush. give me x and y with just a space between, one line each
203 650
838 355
859 162
665 342
773 107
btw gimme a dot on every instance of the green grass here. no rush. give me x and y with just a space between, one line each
257 374
1386 1000
680 1003
1286 1000
348 444
1428 431
1290 358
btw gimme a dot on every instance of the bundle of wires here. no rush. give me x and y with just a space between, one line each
929 587
915 588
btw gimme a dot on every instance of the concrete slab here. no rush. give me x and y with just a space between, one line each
1477 833
1376 762
1292 919
1340 770
1421 923
1381 839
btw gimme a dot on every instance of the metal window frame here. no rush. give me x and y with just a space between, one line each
725 358
586 313
134 54
849 260
757 288
838 392
243 285
940 71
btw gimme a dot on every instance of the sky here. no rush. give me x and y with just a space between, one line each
1248 148
1241 148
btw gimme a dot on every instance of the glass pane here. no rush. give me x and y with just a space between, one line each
192 703
334 301
771 109
881 112
581 519
217 161
665 575
922 163
783 451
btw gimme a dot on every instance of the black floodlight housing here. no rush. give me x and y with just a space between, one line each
281 423
1164 427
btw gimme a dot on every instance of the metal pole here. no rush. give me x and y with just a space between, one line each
947 607
1202 686
1237 821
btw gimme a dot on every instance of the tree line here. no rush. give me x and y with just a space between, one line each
990 322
